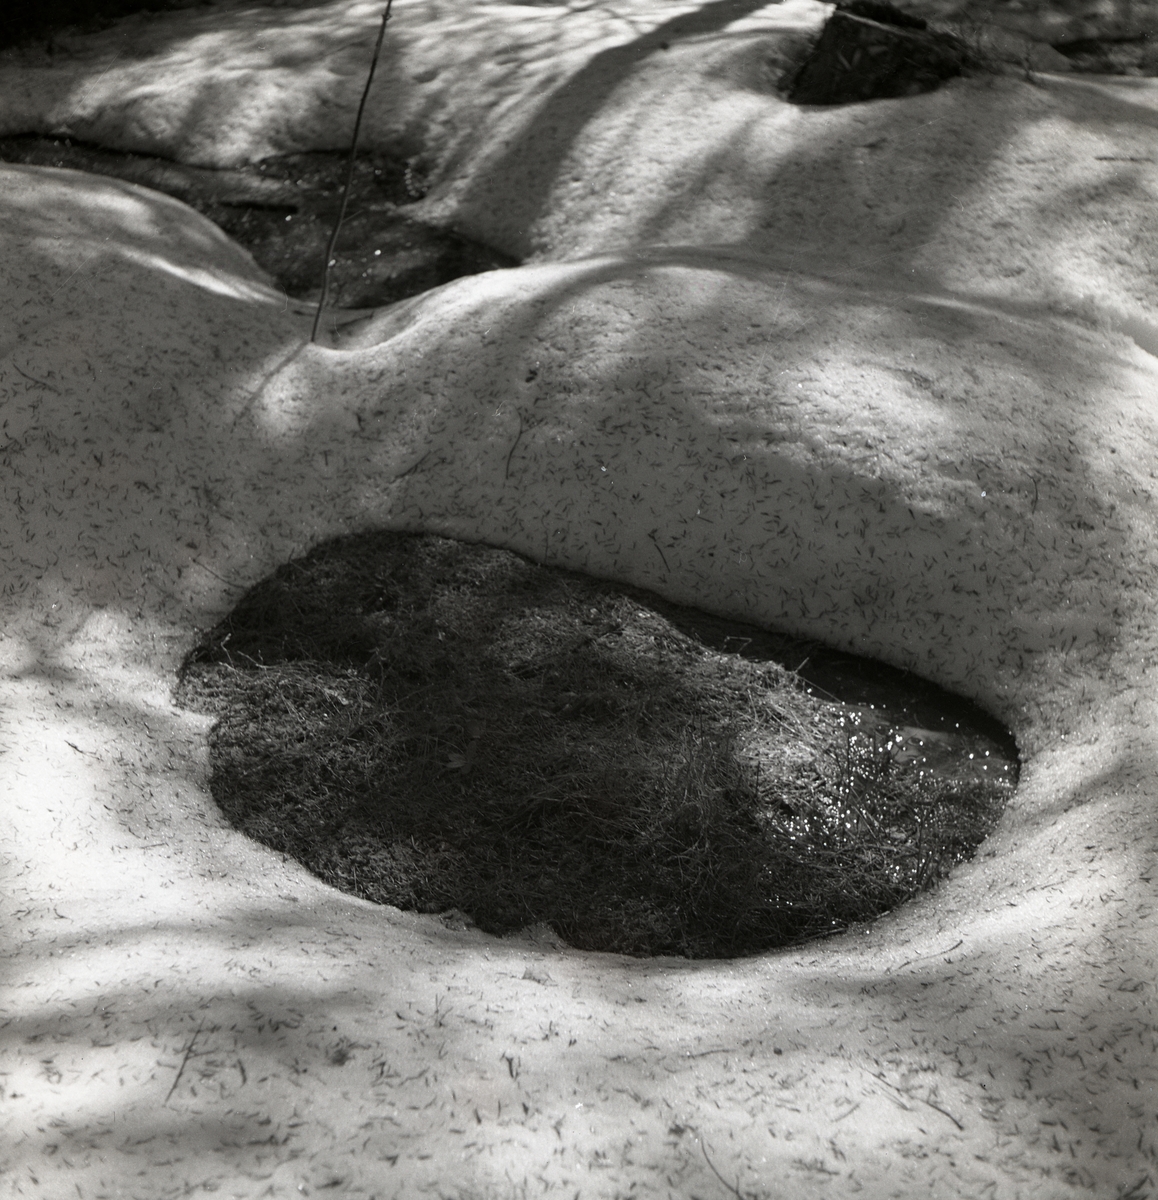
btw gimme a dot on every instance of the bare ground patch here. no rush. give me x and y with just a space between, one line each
441 726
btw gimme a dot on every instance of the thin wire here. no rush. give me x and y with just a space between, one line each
349 173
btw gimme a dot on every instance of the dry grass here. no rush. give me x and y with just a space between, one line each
441 726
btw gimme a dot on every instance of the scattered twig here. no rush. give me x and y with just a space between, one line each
943 1112
32 379
231 583
510 453
733 1188
411 469
184 1062
922 957
349 173
913 1096
658 549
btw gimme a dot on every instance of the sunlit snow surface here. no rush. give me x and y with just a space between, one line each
894 395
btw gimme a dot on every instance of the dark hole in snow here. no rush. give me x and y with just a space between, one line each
870 50
452 728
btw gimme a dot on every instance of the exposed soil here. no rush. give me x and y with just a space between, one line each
441 726
1113 56
282 210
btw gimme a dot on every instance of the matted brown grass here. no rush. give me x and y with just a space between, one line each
438 726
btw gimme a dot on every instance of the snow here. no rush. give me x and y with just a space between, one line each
879 375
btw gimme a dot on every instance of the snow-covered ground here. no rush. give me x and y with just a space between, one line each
882 374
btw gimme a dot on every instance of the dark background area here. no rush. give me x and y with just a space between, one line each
24 21
1127 45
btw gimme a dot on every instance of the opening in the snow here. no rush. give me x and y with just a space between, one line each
442 726
282 211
